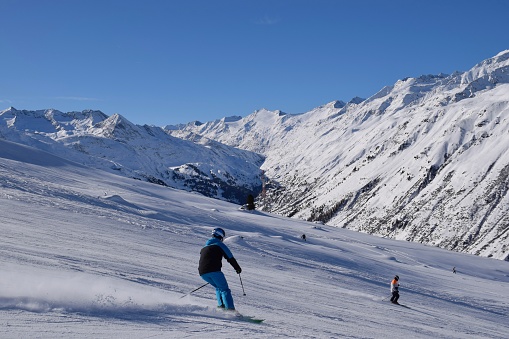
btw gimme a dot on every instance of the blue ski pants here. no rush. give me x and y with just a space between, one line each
223 292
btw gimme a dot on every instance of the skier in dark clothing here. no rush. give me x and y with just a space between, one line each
210 267
395 290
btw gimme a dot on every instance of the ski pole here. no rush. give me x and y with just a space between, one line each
193 290
241 284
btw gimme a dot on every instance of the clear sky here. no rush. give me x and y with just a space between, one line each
165 62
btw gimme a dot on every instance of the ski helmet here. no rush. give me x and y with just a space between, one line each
396 277
218 233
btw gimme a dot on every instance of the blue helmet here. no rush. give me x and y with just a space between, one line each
218 233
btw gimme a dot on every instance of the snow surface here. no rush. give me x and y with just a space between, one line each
89 254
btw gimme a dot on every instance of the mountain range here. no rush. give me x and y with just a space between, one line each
423 160
141 152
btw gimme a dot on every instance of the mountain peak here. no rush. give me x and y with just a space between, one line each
116 125
11 109
356 100
230 119
504 55
336 104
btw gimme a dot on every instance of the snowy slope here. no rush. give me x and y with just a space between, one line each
142 152
424 160
89 254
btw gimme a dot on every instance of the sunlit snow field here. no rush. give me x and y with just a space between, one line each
89 254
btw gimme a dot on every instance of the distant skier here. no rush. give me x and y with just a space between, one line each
210 265
303 237
395 290
454 270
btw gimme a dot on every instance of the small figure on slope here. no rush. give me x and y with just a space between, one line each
395 290
211 256
303 237
454 270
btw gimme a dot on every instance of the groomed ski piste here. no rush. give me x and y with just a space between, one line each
87 254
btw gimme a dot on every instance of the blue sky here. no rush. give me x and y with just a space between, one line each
168 62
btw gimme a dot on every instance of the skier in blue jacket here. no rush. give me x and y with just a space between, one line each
211 256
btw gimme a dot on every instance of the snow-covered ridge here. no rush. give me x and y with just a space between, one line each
423 160
143 152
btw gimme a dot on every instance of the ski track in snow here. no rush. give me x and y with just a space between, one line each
89 254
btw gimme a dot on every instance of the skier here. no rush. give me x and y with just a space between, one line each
210 264
454 270
303 237
395 290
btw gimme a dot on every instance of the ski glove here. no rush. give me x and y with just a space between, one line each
235 265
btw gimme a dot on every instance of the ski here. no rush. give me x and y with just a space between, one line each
237 316
250 319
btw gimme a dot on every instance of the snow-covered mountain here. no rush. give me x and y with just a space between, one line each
143 152
90 254
424 160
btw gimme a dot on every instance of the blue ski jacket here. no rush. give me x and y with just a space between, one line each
211 256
